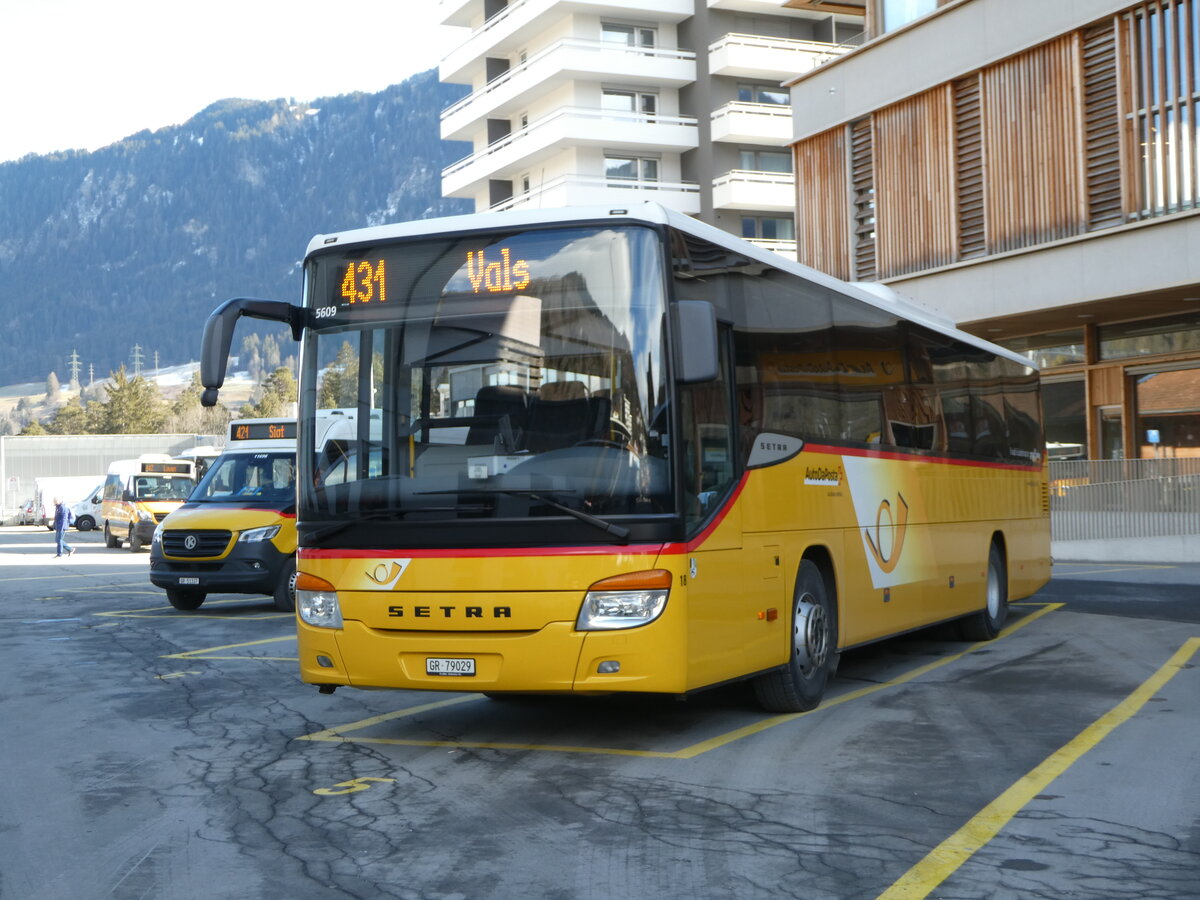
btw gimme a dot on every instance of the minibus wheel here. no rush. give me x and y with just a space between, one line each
110 541
186 600
799 685
135 543
285 591
989 621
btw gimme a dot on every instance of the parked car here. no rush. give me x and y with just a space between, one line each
31 513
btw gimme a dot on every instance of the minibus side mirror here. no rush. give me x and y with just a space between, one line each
695 330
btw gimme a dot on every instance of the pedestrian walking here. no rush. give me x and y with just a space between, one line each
63 519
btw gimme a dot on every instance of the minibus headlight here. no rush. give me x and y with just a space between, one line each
317 602
145 516
157 538
255 535
625 601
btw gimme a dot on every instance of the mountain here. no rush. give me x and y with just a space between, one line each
137 242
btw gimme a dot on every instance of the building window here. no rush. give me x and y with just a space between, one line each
1168 413
627 35
769 228
629 102
765 161
1058 348
524 184
1173 334
638 169
898 13
762 93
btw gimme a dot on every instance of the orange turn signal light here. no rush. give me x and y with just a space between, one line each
306 582
649 580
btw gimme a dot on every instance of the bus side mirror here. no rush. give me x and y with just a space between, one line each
696 358
218 336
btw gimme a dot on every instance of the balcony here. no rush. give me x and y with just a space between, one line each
508 31
753 123
851 9
783 248
457 12
570 126
595 190
567 60
751 190
753 56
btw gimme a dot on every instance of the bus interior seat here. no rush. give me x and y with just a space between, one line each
562 414
492 403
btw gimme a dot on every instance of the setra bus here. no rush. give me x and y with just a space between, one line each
619 450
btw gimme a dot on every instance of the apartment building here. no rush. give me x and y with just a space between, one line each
578 102
1031 169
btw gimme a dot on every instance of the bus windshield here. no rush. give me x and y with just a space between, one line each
162 487
267 476
468 377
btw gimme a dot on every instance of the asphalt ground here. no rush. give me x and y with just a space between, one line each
150 753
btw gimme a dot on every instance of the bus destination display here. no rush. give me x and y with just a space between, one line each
259 431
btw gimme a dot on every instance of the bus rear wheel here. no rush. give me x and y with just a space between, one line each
989 621
186 600
799 686
110 540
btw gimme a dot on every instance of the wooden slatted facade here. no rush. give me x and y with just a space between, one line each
914 157
1090 130
1032 142
822 211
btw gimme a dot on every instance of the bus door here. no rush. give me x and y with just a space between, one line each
724 592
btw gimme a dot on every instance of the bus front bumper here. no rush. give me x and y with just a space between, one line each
553 659
248 569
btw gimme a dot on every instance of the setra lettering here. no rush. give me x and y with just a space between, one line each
449 612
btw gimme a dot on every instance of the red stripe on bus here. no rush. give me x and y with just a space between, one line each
908 457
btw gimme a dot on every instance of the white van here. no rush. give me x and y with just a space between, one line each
87 510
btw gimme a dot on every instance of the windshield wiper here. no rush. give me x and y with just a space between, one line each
617 531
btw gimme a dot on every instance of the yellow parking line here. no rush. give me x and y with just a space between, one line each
202 654
948 856
1105 569
341 733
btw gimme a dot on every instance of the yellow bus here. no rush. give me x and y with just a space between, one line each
619 450
237 531
140 493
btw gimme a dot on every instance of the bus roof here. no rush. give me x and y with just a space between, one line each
878 295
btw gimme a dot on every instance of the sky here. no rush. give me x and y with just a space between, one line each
81 74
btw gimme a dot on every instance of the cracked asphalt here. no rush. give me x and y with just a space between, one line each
148 753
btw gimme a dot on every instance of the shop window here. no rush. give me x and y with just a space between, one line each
1057 348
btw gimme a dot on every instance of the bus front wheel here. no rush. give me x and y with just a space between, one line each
989 621
285 591
110 540
799 686
135 542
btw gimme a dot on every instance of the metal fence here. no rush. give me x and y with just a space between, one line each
1103 499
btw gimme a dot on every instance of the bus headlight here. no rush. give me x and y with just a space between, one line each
145 516
625 601
317 602
256 535
157 537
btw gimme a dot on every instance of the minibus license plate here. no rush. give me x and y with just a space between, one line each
438 665
183 579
